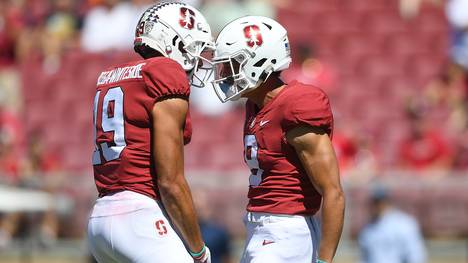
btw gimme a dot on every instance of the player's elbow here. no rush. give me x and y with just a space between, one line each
334 195
171 193
171 187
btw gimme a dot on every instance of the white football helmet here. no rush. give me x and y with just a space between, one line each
247 51
177 31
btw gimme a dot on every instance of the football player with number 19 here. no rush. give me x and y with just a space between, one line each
287 139
145 212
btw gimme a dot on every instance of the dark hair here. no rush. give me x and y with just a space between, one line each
146 52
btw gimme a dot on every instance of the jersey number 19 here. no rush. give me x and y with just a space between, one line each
112 121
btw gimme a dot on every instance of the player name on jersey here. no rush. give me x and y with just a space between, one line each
118 74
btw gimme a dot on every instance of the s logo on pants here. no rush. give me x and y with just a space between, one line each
161 227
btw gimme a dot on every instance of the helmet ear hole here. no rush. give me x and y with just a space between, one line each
181 48
263 76
260 62
266 73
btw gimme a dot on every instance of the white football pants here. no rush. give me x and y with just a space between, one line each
275 238
131 227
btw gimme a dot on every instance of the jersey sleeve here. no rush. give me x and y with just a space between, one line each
311 108
165 78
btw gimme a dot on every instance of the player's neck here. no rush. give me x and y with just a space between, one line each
266 92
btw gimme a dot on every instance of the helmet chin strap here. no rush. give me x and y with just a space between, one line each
191 75
188 60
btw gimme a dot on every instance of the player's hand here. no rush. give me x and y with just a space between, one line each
205 257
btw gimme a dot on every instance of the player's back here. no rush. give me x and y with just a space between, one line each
122 122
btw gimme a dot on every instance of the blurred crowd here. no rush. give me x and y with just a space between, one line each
45 30
433 139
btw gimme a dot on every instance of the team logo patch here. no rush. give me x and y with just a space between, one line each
144 28
148 27
187 18
161 227
253 36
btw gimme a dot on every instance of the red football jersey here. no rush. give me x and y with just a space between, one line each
278 182
123 104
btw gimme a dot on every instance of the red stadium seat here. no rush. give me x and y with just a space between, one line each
378 58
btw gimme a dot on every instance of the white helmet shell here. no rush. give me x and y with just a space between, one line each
176 30
253 47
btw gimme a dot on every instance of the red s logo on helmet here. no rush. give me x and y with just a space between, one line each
253 36
187 18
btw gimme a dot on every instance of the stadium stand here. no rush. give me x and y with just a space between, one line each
379 58
379 63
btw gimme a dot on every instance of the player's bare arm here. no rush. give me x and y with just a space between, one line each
314 149
168 124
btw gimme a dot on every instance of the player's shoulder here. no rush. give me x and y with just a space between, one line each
304 94
302 104
165 77
162 69
297 90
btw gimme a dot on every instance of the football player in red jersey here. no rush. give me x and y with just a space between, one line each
145 212
287 139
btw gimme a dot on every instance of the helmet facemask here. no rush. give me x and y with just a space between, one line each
200 54
230 81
